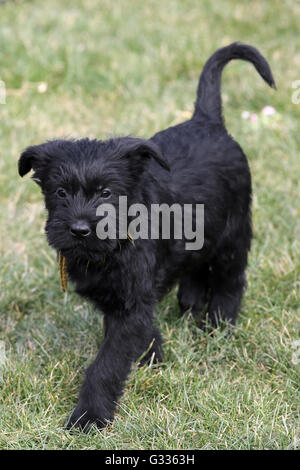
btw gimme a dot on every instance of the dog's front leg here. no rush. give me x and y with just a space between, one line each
126 338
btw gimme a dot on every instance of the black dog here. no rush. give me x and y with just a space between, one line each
193 162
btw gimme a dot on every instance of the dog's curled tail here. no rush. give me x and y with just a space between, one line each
209 104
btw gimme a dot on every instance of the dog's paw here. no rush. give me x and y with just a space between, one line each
83 418
153 356
192 297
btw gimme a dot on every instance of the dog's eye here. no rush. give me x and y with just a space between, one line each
60 192
105 193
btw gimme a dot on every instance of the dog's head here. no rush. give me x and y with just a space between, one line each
76 177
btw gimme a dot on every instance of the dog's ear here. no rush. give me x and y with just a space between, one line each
32 158
138 149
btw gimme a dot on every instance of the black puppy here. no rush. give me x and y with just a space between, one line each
195 162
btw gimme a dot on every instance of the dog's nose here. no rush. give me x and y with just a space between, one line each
80 229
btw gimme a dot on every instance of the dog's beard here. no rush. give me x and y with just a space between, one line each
92 250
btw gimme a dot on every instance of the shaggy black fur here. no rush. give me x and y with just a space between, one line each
193 162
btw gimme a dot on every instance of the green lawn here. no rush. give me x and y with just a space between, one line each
93 68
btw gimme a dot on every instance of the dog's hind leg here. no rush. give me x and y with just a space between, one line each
227 285
193 290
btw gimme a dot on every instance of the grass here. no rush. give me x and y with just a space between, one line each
90 68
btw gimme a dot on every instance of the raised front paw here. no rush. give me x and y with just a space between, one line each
83 417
